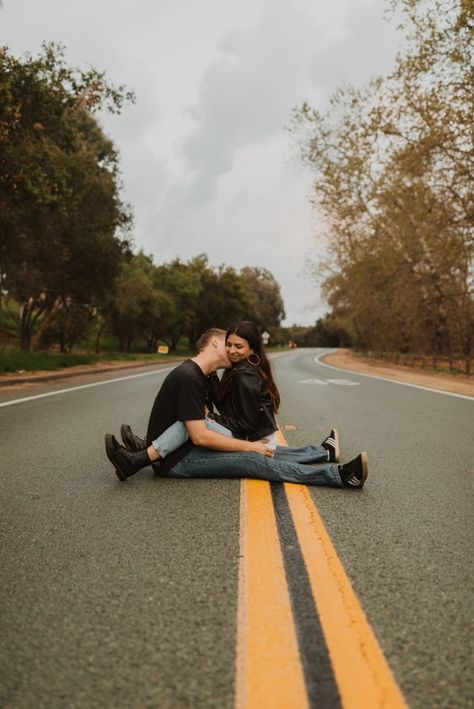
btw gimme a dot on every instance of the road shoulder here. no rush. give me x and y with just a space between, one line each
349 360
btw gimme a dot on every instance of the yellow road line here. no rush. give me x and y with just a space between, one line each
362 673
269 671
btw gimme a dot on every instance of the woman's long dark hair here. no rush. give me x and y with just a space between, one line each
247 330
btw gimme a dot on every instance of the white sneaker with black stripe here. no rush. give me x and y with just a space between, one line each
331 444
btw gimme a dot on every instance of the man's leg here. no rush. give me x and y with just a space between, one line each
205 463
327 451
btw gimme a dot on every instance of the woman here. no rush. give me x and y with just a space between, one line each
247 397
247 400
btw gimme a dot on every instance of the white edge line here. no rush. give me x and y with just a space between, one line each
385 379
83 386
94 384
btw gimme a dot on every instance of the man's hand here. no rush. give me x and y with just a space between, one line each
261 447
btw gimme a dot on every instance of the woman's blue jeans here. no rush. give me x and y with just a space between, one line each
177 434
205 463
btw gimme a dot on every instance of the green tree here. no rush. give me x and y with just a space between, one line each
66 324
182 284
225 298
62 224
269 308
200 296
134 308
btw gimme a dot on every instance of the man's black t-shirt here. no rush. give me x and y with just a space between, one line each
182 397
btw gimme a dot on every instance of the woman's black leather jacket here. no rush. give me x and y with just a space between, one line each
245 406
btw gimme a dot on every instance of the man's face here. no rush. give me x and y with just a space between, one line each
221 350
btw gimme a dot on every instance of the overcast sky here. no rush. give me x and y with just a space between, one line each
207 164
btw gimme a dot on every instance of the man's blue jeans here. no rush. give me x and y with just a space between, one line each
205 463
176 435
287 465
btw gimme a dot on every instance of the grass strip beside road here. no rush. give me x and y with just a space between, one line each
15 362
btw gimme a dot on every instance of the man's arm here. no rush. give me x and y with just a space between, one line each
201 436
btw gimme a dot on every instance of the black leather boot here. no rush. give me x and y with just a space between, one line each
130 440
126 462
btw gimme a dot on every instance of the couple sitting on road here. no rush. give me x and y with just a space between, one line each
188 438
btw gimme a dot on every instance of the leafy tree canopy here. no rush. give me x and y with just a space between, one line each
62 223
394 169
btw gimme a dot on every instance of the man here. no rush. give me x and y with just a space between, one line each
185 396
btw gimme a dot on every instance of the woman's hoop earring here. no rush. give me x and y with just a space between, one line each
254 364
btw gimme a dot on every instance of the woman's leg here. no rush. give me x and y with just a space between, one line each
302 454
177 434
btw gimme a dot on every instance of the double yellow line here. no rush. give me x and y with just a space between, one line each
270 672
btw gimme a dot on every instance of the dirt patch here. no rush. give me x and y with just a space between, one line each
457 384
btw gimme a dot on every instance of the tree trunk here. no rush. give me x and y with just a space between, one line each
97 342
28 318
174 342
25 326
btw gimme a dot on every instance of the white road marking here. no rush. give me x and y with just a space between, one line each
344 382
391 381
83 386
312 381
341 382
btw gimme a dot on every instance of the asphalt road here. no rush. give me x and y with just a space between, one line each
125 595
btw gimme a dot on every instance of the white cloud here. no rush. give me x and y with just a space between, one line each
363 47
245 95
204 151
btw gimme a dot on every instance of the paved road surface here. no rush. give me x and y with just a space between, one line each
124 595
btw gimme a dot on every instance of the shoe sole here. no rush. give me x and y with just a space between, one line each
110 455
364 461
335 434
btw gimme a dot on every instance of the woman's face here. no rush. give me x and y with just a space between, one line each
237 348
